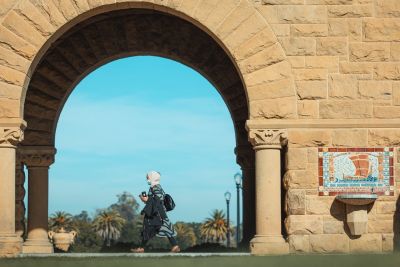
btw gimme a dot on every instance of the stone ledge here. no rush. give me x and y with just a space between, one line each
322 123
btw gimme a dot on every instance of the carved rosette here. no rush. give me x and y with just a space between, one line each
37 157
11 136
268 137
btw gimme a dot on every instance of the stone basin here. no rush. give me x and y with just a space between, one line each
357 199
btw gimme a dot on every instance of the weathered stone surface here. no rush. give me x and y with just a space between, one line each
304 224
311 89
282 2
299 243
376 90
387 8
301 14
387 71
244 31
296 159
312 155
345 109
369 52
310 74
384 137
332 226
317 205
297 61
395 51
387 112
381 29
350 11
281 30
262 59
300 179
10 91
11 76
272 90
298 46
380 226
276 72
260 41
295 202
331 46
396 93
366 243
385 207
355 29
331 63
11 41
350 137
329 2
309 30
13 60
329 243
343 86
307 109
387 242
9 108
307 138
355 67
271 109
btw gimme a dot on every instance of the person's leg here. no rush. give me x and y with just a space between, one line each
172 241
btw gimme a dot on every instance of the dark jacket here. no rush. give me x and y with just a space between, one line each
154 214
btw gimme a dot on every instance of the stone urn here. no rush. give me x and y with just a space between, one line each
62 239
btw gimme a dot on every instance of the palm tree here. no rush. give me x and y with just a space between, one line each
214 228
185 235
60 220
108 225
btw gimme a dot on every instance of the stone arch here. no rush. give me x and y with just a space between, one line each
233 47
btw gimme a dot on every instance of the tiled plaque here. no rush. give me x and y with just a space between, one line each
355 170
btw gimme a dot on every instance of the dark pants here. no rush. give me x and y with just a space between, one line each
171 240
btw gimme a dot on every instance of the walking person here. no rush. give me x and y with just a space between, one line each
156 222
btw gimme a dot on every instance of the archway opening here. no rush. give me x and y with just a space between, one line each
113 35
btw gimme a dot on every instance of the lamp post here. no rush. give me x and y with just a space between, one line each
228 234
238 181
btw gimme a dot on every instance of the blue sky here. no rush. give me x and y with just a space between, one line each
138 114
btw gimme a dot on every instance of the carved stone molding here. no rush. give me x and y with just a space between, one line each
11 136
268 137
245 157
37 156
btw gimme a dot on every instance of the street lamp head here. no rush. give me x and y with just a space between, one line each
238 178
227 196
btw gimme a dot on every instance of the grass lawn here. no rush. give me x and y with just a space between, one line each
381 260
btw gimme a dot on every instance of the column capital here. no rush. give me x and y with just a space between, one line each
245 156
37 156
11 136
268 138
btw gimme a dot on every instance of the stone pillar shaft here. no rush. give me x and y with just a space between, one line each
10 243
38 161
267 145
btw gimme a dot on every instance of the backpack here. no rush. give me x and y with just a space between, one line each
169 202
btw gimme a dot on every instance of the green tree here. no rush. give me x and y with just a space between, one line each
214 228
185 235
87 240
108 225
60 220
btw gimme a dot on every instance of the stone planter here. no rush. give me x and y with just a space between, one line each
62 239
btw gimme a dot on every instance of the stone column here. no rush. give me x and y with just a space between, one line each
245 158
19 197
267 144
38 160
10 243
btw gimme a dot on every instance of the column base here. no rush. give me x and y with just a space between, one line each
37 246
10 245
268 245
